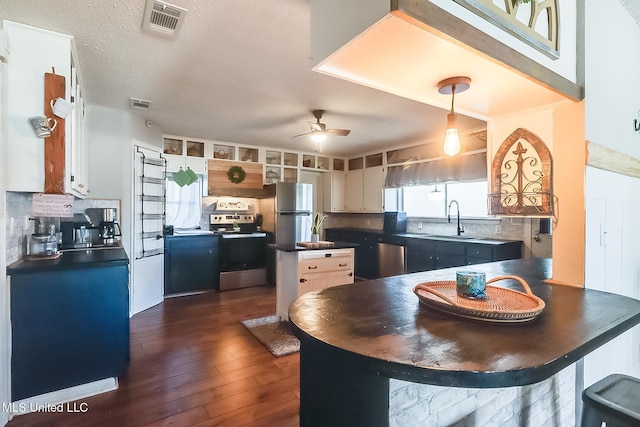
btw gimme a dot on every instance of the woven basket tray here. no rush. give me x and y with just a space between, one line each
500 305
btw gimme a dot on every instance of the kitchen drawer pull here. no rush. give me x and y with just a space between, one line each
350 274
315 267
303 280
342 265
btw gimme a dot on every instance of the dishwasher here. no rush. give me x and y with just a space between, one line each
391 259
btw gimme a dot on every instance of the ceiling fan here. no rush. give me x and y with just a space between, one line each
319 130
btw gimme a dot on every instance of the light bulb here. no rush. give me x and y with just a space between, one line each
318 136
452 142
452 139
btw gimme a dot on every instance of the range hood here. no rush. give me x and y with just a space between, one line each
406 47
233 178
246 193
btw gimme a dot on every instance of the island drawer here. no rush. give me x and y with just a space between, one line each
326 264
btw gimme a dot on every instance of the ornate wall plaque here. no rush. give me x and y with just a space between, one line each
521 177
535 22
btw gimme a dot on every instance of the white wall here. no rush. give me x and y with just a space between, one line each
109 145
612 68
612 102
5 348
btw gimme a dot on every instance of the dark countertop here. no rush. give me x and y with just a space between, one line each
296 248
452 238
379 326
72 260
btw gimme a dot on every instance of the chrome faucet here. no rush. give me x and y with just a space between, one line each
460 227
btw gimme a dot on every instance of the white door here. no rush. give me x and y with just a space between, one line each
612 258
147 260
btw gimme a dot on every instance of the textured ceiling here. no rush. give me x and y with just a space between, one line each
633 7
238 71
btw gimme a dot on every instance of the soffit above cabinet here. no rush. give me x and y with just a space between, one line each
400 54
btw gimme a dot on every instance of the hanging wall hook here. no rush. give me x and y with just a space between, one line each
636 123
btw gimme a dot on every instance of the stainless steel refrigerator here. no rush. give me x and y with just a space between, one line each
287 212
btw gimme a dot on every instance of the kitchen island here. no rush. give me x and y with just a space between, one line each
372 355
69 321
301 269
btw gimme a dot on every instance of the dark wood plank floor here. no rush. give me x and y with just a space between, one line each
194 364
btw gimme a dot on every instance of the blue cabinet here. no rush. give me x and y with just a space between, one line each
191 263
366 252
422 252
69 327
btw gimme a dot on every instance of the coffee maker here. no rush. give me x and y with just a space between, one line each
79 232
107 220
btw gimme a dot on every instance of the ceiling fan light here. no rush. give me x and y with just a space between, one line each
318 136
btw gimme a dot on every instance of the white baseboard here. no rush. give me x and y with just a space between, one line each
60 400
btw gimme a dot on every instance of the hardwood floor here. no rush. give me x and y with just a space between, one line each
194 364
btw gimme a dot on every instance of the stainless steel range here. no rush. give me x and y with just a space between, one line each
242 250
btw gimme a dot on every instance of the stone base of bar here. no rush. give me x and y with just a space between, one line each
547 403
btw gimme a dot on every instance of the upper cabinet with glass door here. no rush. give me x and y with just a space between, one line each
184 153
279 164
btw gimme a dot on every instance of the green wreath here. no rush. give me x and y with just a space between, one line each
236 174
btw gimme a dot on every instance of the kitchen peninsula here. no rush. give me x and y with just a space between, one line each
396 362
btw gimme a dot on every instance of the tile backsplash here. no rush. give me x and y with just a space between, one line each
18 229
21 223
209 207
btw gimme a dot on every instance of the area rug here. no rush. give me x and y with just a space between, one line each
277 336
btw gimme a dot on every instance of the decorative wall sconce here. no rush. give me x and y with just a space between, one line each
521 173
451 86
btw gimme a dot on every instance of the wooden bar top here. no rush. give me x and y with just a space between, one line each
379 326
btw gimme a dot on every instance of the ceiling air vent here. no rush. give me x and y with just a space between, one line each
164 18
140 104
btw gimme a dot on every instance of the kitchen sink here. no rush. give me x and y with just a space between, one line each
432 236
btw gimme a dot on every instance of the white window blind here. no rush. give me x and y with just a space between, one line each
184 204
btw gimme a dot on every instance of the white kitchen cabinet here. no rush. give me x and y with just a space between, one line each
299 272
373 189
353 192
34 52
334 188
364 186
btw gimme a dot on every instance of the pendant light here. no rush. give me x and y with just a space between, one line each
451 86
435 195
